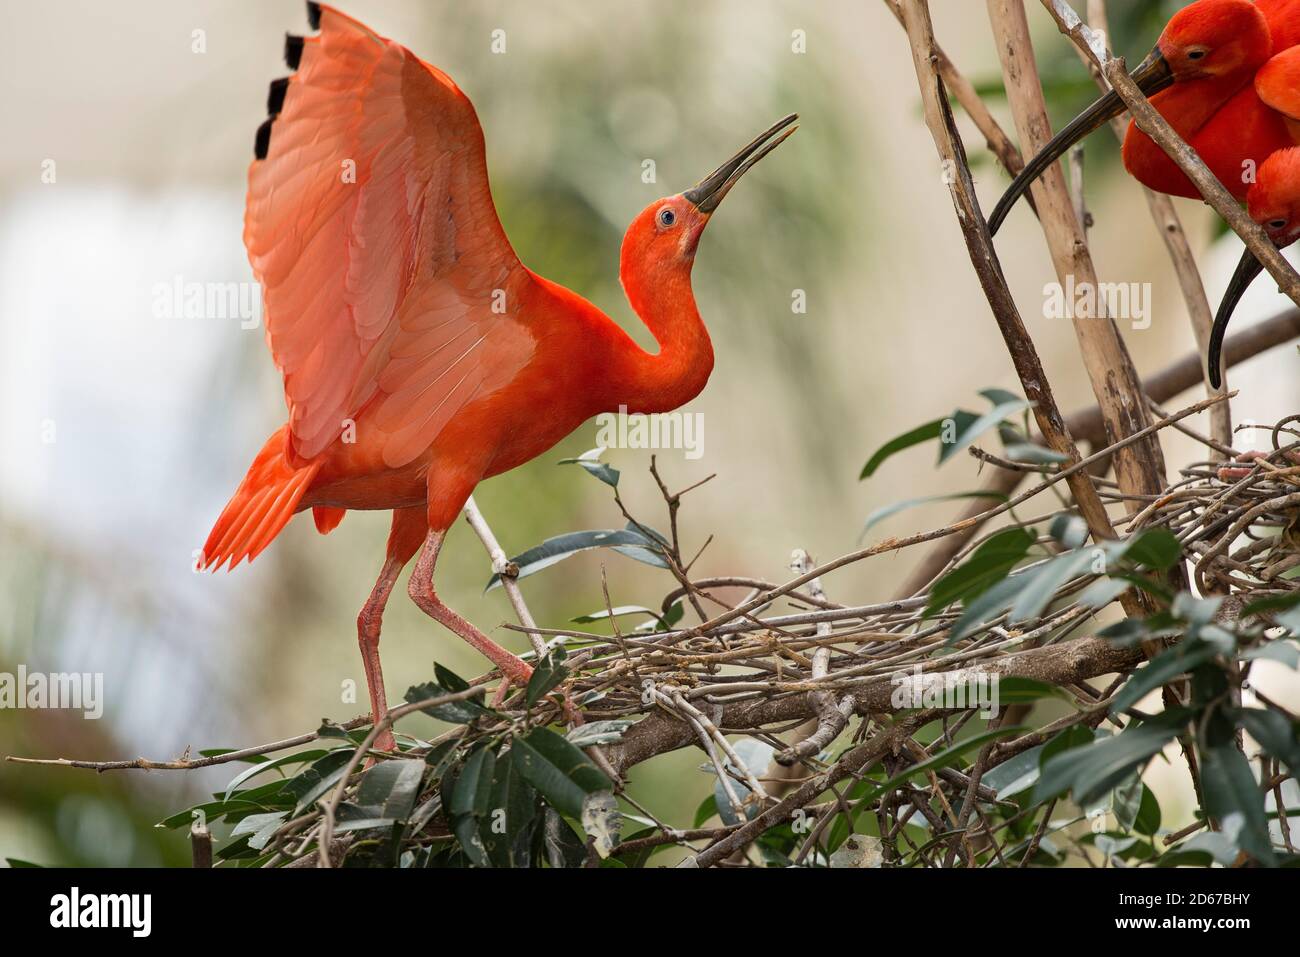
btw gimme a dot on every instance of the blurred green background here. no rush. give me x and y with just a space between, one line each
155 420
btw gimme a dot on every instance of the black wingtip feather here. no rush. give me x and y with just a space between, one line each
263 141
292 50
313 14
275 98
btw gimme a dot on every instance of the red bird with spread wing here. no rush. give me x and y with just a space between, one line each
419 355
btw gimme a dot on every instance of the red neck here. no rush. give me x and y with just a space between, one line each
666 380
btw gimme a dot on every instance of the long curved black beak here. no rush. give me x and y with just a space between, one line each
1152 75
708 192
1247 269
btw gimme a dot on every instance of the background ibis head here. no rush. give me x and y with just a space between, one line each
1274 203
661 241
1208 39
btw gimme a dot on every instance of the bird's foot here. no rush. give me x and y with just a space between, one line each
1234 473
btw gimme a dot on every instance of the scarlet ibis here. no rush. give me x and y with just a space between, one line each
1274 203
419 355
1199 76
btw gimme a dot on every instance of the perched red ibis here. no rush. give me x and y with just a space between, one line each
1274 203
1212 77
419 355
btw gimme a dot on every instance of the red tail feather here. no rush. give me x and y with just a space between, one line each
262 505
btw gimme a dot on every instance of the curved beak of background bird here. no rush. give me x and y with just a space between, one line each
708 193
1152 75
1247 270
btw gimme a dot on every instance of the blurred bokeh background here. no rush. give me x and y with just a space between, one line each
123 433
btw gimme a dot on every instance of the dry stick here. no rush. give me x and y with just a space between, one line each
200 845
1162 211
964 92
1067 662
938 117
855 760
508 573
1086 425
832 716
1140 470
185 764
893 544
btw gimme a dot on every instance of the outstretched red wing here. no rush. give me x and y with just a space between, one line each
387 276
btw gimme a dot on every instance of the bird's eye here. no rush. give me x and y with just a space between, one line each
1277 224
1197 54
667 217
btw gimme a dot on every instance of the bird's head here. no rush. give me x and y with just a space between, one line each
1274 203
1212 38
663 237
1208 38
1274 199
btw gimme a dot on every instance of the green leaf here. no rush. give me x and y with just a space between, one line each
472 793
708 808
1016 690
609 731
627 541
991 603
260 828
512 809
301 757
561 772
308 786
1148 816
1070 530
618 611
1160 670
923 433
1290 620
1277 650
1155 548
1015 774
1042 583
650 554
548 674
1270 604
1276 734
590 462
968 431
454 712
1102 592
389 789
1031 454
1092 771
1233 797
449 679
991 562
563 847
885 511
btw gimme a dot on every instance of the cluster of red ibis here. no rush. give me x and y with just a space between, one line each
1225 74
